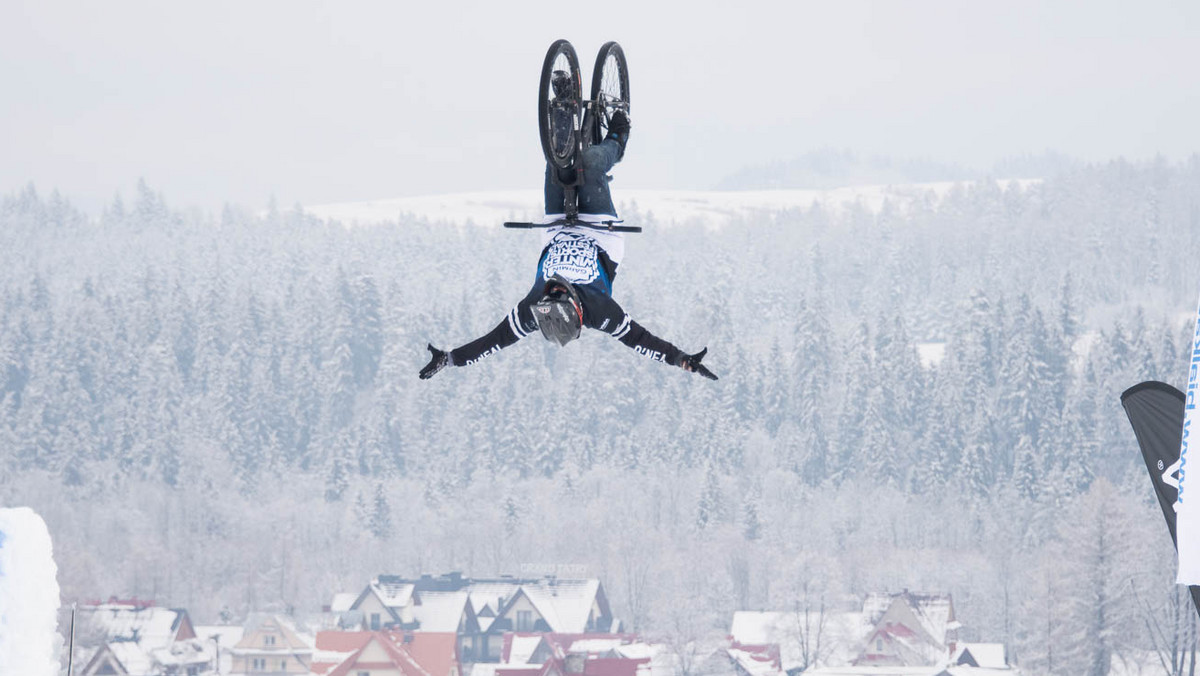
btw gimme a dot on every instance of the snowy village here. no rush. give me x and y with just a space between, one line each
518 338
449 625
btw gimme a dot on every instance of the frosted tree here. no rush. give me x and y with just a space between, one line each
856 377
1101 545
880 456
978 470
337 481
380 523
710 510
1020 382
1026 475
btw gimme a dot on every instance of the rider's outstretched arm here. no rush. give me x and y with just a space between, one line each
518 324
613 320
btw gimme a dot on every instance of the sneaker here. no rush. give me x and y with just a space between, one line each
618 130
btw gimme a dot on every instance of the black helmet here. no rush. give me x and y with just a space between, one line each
559 313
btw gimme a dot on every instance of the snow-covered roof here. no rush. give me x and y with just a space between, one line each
487 598
597 645
440 611
986 655
393 592
842 634
184 653
935 611
491 595
565 605
521 647
757 662
483 669
760 627
133 657
342 602
639 650
151 627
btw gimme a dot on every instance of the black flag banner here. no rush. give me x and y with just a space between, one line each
1155 411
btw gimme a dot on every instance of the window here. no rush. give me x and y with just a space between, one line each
878 645
269 639
364 673
524 620
283 665
258 664
374 621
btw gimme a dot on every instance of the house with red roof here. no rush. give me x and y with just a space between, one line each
584 654
908 629
385 653
909 633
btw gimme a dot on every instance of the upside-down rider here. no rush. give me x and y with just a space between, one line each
575 274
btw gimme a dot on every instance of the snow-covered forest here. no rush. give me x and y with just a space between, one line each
222 411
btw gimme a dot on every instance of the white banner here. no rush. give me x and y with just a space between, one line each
1187 509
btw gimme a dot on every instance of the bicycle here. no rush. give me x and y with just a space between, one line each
569 124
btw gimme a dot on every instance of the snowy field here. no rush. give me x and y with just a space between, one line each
667 206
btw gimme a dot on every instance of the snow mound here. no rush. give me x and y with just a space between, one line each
29 640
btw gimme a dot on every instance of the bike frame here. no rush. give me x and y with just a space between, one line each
583 141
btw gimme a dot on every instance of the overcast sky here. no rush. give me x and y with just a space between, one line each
319 102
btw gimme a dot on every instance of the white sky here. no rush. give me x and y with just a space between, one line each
315 102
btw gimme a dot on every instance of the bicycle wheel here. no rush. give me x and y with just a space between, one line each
610 87
559 99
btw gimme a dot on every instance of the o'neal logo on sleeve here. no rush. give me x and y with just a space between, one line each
574 256
651 354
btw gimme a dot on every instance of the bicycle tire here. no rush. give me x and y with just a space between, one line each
560 148
610 87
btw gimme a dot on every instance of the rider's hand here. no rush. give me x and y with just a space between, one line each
438 361
691 363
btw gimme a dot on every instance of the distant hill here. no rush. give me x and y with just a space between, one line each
830 168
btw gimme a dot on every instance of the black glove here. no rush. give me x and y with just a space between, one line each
437 362
691 362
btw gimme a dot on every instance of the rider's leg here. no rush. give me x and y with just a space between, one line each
554 194
594 196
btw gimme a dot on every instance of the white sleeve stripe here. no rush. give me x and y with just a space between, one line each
622 328
514 323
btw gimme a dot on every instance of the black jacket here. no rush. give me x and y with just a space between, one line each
572 254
